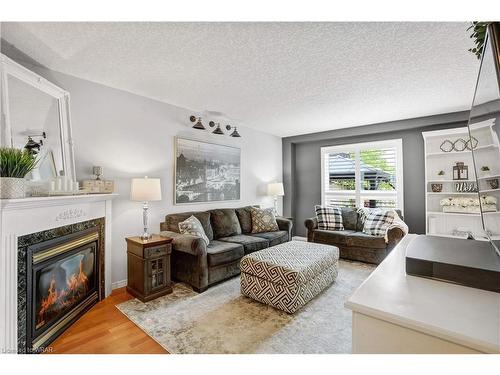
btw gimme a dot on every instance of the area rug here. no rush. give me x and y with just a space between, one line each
221 320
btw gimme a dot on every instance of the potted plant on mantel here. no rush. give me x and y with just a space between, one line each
15 164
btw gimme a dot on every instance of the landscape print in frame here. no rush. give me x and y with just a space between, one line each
206 172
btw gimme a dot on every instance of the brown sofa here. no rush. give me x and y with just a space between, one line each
352 242
229 232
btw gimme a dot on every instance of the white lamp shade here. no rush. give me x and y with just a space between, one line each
275 189
145 189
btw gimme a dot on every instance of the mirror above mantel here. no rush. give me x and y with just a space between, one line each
36 114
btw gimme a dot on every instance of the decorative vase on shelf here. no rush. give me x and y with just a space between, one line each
12 188
436 188
493 183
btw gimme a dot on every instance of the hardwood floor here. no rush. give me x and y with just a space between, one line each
105 330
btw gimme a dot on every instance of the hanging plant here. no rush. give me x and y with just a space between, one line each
478 34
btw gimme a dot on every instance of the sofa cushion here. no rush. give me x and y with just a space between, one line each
360 239
349 218
220 252
250 243
172 222
245 217
263 220
274 238
333 237
224 222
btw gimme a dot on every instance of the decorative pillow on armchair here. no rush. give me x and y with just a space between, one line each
329 218
378 220
193 227
263 220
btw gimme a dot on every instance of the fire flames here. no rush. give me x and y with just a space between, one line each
57 300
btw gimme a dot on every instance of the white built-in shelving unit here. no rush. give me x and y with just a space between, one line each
444 224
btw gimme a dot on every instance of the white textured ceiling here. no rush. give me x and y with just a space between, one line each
281 78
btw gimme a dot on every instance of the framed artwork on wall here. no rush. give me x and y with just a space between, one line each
206 172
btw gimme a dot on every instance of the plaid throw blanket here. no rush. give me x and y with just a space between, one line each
378 222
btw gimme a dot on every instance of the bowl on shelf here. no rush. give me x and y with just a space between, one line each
437 188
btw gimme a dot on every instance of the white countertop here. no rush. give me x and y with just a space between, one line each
466 316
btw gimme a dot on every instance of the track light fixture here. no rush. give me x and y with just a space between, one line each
198 124
218 130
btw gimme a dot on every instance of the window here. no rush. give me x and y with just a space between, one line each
363 175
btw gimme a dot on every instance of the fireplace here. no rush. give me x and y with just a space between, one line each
64 278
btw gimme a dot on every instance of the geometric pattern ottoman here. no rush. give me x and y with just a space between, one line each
289 275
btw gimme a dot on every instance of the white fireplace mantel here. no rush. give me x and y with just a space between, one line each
19 217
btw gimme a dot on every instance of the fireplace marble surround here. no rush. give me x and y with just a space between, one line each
20 217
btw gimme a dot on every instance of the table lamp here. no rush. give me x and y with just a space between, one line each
276 190
145 190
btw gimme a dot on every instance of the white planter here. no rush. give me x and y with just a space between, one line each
11 187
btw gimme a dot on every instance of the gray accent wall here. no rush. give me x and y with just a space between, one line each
302 164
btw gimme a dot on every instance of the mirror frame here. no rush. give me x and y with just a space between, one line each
11 68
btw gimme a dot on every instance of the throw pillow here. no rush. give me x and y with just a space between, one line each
377 221
329 218
193 227
263 220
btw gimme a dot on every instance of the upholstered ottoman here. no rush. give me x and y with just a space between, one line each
289 275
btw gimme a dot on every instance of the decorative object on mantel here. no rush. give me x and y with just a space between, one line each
64 186
459 145
466 187
31 145
98 186
15 164
437 188
145 190
218 130
460 171
97 172
493 182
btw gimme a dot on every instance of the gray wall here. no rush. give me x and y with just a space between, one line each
302 164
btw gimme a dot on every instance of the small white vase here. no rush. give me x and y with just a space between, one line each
11 187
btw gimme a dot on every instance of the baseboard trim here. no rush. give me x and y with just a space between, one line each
299 238
119 284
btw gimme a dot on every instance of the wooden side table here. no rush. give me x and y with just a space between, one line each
148 267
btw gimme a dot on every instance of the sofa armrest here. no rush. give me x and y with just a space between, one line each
186 243
311 224
285 224
394 235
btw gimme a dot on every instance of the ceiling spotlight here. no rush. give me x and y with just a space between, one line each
198 124
235 133
218 130
212 124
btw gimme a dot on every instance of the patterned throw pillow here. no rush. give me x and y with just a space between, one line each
263 220
193 227
378 220
329 218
